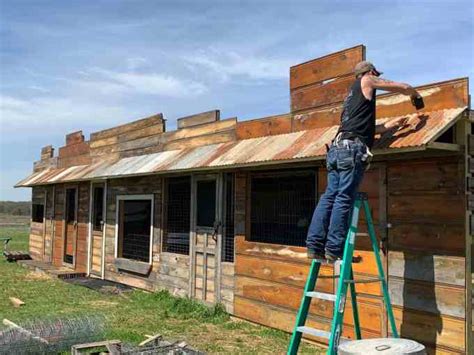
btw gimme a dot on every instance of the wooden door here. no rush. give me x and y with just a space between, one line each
206 237
97 225
70 226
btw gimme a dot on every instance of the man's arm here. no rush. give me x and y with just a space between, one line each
383 84
392 86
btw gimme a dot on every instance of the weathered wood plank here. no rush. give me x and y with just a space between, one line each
74 150
430 176
128 136
427 208
319 117
266 126
429 297
317 95
83 159
327 67
280 271
197 119
74 138
213 138
133 266
284 319
114 131
441 238
276 294
437 96
430 329
427 267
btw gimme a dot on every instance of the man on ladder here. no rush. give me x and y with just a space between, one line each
348 158
330 237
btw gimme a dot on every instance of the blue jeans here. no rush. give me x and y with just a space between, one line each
330 223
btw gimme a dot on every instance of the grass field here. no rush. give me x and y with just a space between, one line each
132 315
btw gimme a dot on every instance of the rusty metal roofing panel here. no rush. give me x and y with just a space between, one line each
287 147
193 158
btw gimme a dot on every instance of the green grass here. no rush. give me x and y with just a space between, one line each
134 314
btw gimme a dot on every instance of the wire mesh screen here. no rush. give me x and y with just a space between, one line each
52 336
282 207
178 213
228 238
135 233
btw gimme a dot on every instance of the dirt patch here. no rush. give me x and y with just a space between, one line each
102 303
36 276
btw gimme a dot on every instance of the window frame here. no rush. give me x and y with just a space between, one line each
94 210
33 214
297 171
144 197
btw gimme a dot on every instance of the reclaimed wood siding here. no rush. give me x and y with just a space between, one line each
58 225
269 278
36 238
49 224
83 194
438 96
169 271
426 263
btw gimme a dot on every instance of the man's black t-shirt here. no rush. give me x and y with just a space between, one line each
358 115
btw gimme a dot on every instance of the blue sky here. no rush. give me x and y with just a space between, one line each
70 65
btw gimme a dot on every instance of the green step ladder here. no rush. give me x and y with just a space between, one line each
346 278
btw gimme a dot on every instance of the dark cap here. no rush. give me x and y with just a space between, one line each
364 67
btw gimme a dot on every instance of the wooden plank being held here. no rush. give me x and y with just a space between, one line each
330 66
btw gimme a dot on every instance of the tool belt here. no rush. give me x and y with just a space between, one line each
342 138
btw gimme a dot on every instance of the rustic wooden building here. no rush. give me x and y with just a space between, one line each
218 210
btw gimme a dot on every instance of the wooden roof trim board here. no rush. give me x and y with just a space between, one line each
327 67
198 119
280 149
141 123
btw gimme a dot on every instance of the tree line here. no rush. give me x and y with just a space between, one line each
16 208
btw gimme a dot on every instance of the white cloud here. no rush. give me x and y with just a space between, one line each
107 81
50 115
227 64
136 62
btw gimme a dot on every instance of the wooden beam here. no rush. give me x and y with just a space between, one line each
321 94
444 146
114 131
198 119
330 66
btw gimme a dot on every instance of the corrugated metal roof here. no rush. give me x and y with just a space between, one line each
296 146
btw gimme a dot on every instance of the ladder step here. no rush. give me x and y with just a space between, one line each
362 234
322 295
366 281
314 332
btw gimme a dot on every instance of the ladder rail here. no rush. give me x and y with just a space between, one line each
303 310
346 283
386 295
339 306
355 311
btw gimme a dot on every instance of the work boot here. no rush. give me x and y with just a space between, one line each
313 254
331 257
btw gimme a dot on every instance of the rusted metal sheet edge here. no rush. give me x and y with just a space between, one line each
226 167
